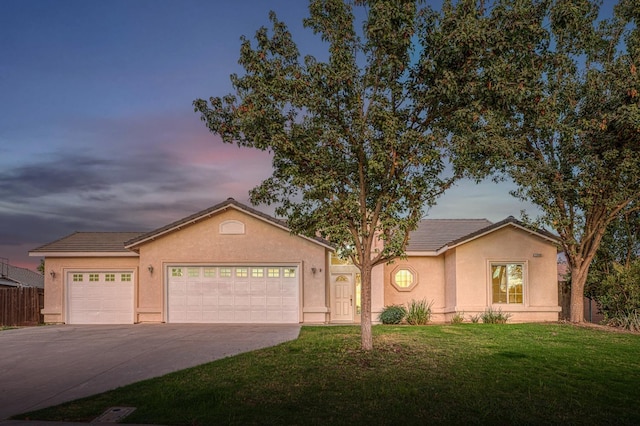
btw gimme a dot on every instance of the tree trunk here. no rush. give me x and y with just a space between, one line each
578 280
365 318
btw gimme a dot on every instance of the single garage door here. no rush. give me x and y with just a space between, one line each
100 297
233 294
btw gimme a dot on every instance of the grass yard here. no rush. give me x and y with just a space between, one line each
440 374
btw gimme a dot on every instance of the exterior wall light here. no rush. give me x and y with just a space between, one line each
150 268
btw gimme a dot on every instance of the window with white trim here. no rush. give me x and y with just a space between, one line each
193 272
78 278
242 272
257 272
209 272
110 277
289 272
507 282
94 277
225 272
176 272
125 277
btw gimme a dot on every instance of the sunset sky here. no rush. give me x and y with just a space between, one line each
97 130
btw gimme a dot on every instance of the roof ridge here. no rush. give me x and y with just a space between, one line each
107 232
465 219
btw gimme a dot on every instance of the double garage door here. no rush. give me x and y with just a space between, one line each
232 294
195 294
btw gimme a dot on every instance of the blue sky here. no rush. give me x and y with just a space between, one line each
97 130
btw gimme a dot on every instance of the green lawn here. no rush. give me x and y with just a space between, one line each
451 374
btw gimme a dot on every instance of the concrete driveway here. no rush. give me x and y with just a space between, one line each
45 366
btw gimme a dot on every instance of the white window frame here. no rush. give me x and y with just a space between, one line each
525 281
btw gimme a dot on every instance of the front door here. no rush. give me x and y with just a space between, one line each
342 298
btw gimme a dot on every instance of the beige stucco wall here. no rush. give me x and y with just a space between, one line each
472 269
54 287
450 293
430 285
262 243
459 279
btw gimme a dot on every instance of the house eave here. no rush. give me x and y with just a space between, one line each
82 254
423 253
489 231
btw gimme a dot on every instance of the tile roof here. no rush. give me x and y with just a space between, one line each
434 234
513 222
431 235
229 202
96 242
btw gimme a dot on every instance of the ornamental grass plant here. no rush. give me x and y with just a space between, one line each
418 312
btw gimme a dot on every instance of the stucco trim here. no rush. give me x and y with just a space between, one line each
231 227
423 253
412 271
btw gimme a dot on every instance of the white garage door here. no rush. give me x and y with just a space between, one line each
100 297
232 294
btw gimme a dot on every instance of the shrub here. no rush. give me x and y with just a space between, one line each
475 318
458 318
618 296
392 314
491 316
419 312
628 320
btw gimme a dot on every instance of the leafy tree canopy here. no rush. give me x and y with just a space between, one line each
556 92
359 141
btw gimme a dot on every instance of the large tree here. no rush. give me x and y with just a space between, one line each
556 91
357 140
620 245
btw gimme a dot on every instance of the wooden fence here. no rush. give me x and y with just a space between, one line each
21 306
591 312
